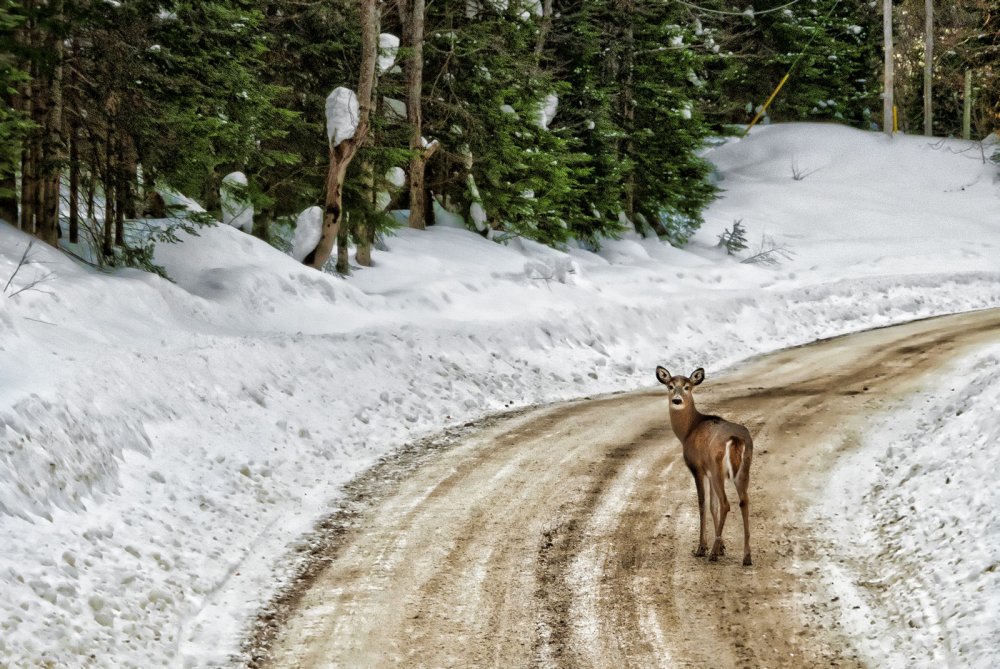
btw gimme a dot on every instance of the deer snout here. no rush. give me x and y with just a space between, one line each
677 401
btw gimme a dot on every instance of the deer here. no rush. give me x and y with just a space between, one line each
714 449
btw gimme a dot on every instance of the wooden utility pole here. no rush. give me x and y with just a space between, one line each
887 98
967 107
928 63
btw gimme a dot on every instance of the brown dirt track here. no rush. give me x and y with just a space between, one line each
563 536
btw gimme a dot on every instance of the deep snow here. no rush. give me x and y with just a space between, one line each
163 445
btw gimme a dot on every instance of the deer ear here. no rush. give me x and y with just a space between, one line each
697 376
662 375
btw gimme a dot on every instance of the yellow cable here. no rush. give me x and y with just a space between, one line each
769 101
785 78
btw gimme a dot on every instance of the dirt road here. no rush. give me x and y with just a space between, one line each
563 536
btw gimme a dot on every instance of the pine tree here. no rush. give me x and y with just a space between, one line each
13 125
634 85
832 44
667 128
484 100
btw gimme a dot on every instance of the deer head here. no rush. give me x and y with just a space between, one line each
680 387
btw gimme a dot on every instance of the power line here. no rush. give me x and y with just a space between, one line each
743 13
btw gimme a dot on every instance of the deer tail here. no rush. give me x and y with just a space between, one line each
735 458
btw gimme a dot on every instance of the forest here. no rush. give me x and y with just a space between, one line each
555 120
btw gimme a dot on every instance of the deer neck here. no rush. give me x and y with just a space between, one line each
684 420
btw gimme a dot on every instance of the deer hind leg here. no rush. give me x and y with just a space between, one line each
714 501
699 484
719 496
743 489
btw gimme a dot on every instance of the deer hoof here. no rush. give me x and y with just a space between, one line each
700 552
714 557
747 561
722 549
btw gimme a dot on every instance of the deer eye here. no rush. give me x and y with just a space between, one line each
670 387
687 387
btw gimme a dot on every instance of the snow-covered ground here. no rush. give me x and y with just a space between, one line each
915 513
163 445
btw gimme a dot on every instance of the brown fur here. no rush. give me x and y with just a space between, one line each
704 439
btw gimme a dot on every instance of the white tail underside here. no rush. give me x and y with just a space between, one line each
727 459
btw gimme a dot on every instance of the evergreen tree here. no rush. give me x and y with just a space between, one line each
12 123
484 99
168 90
311 49
833 45
667 128
634 88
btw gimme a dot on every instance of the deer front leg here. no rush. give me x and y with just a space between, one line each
699 485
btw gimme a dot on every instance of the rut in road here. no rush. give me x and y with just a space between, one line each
563 536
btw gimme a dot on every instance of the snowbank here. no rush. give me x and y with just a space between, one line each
917 508
866 205
164 444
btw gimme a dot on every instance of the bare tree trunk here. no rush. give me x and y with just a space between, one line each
414 33
130 175
628 111
887 95
71 113
343 240
110 169
8 199
91 182
262 223
211 196
928 64
31 166
967 106
342 154
121 177
91 188
333 212
26 95
74 182
364 230
545 27
47 223
33 200
8 180
365 234
107 247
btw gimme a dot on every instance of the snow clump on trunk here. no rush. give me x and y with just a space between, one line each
308 227
342 114
388 47
237 210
